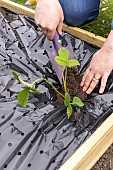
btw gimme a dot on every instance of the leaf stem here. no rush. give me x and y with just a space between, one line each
65 79
49 84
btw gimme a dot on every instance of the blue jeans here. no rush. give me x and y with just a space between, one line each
78 12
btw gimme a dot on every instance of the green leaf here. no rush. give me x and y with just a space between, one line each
72 63
69 111
61 61
63 53
15 75
20 80
77 102
67 99
23 97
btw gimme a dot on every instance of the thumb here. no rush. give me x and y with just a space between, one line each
59 27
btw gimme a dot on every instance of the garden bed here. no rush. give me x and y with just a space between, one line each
40 134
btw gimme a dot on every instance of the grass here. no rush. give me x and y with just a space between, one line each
102 24
22 2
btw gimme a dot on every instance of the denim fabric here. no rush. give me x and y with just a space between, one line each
78 12
112 25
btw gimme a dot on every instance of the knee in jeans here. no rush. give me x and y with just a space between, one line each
75 19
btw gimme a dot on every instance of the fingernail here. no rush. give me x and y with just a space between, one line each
100 91
84 89
81 84
88 92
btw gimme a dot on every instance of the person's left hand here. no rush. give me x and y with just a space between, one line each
100 68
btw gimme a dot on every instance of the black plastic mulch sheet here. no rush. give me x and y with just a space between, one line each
39 136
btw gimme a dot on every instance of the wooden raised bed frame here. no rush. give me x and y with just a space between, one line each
95 146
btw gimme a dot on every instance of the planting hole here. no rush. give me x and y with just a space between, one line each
53 140
19 153
14 108
12 124
64 131
53 161
34 108
41 152
32 142
45 102
54 124
3 117
33 123
22 134
9 144
29 165
5 166
65 148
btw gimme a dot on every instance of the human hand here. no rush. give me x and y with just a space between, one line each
100 68
49 16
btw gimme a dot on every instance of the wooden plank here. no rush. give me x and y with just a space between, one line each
85 35
77 32
17 8
92 149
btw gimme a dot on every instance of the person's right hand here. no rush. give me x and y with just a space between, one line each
49 16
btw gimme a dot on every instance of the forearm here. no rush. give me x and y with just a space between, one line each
108 45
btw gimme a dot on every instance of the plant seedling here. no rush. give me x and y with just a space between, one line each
24 94
63 60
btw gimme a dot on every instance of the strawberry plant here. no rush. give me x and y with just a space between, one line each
63 60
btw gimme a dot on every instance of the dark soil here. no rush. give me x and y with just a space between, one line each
73 83
106 161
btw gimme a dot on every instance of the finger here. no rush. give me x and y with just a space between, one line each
45 32
93 85
59 28
97 76
84 77
50 34
88 81
103 82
